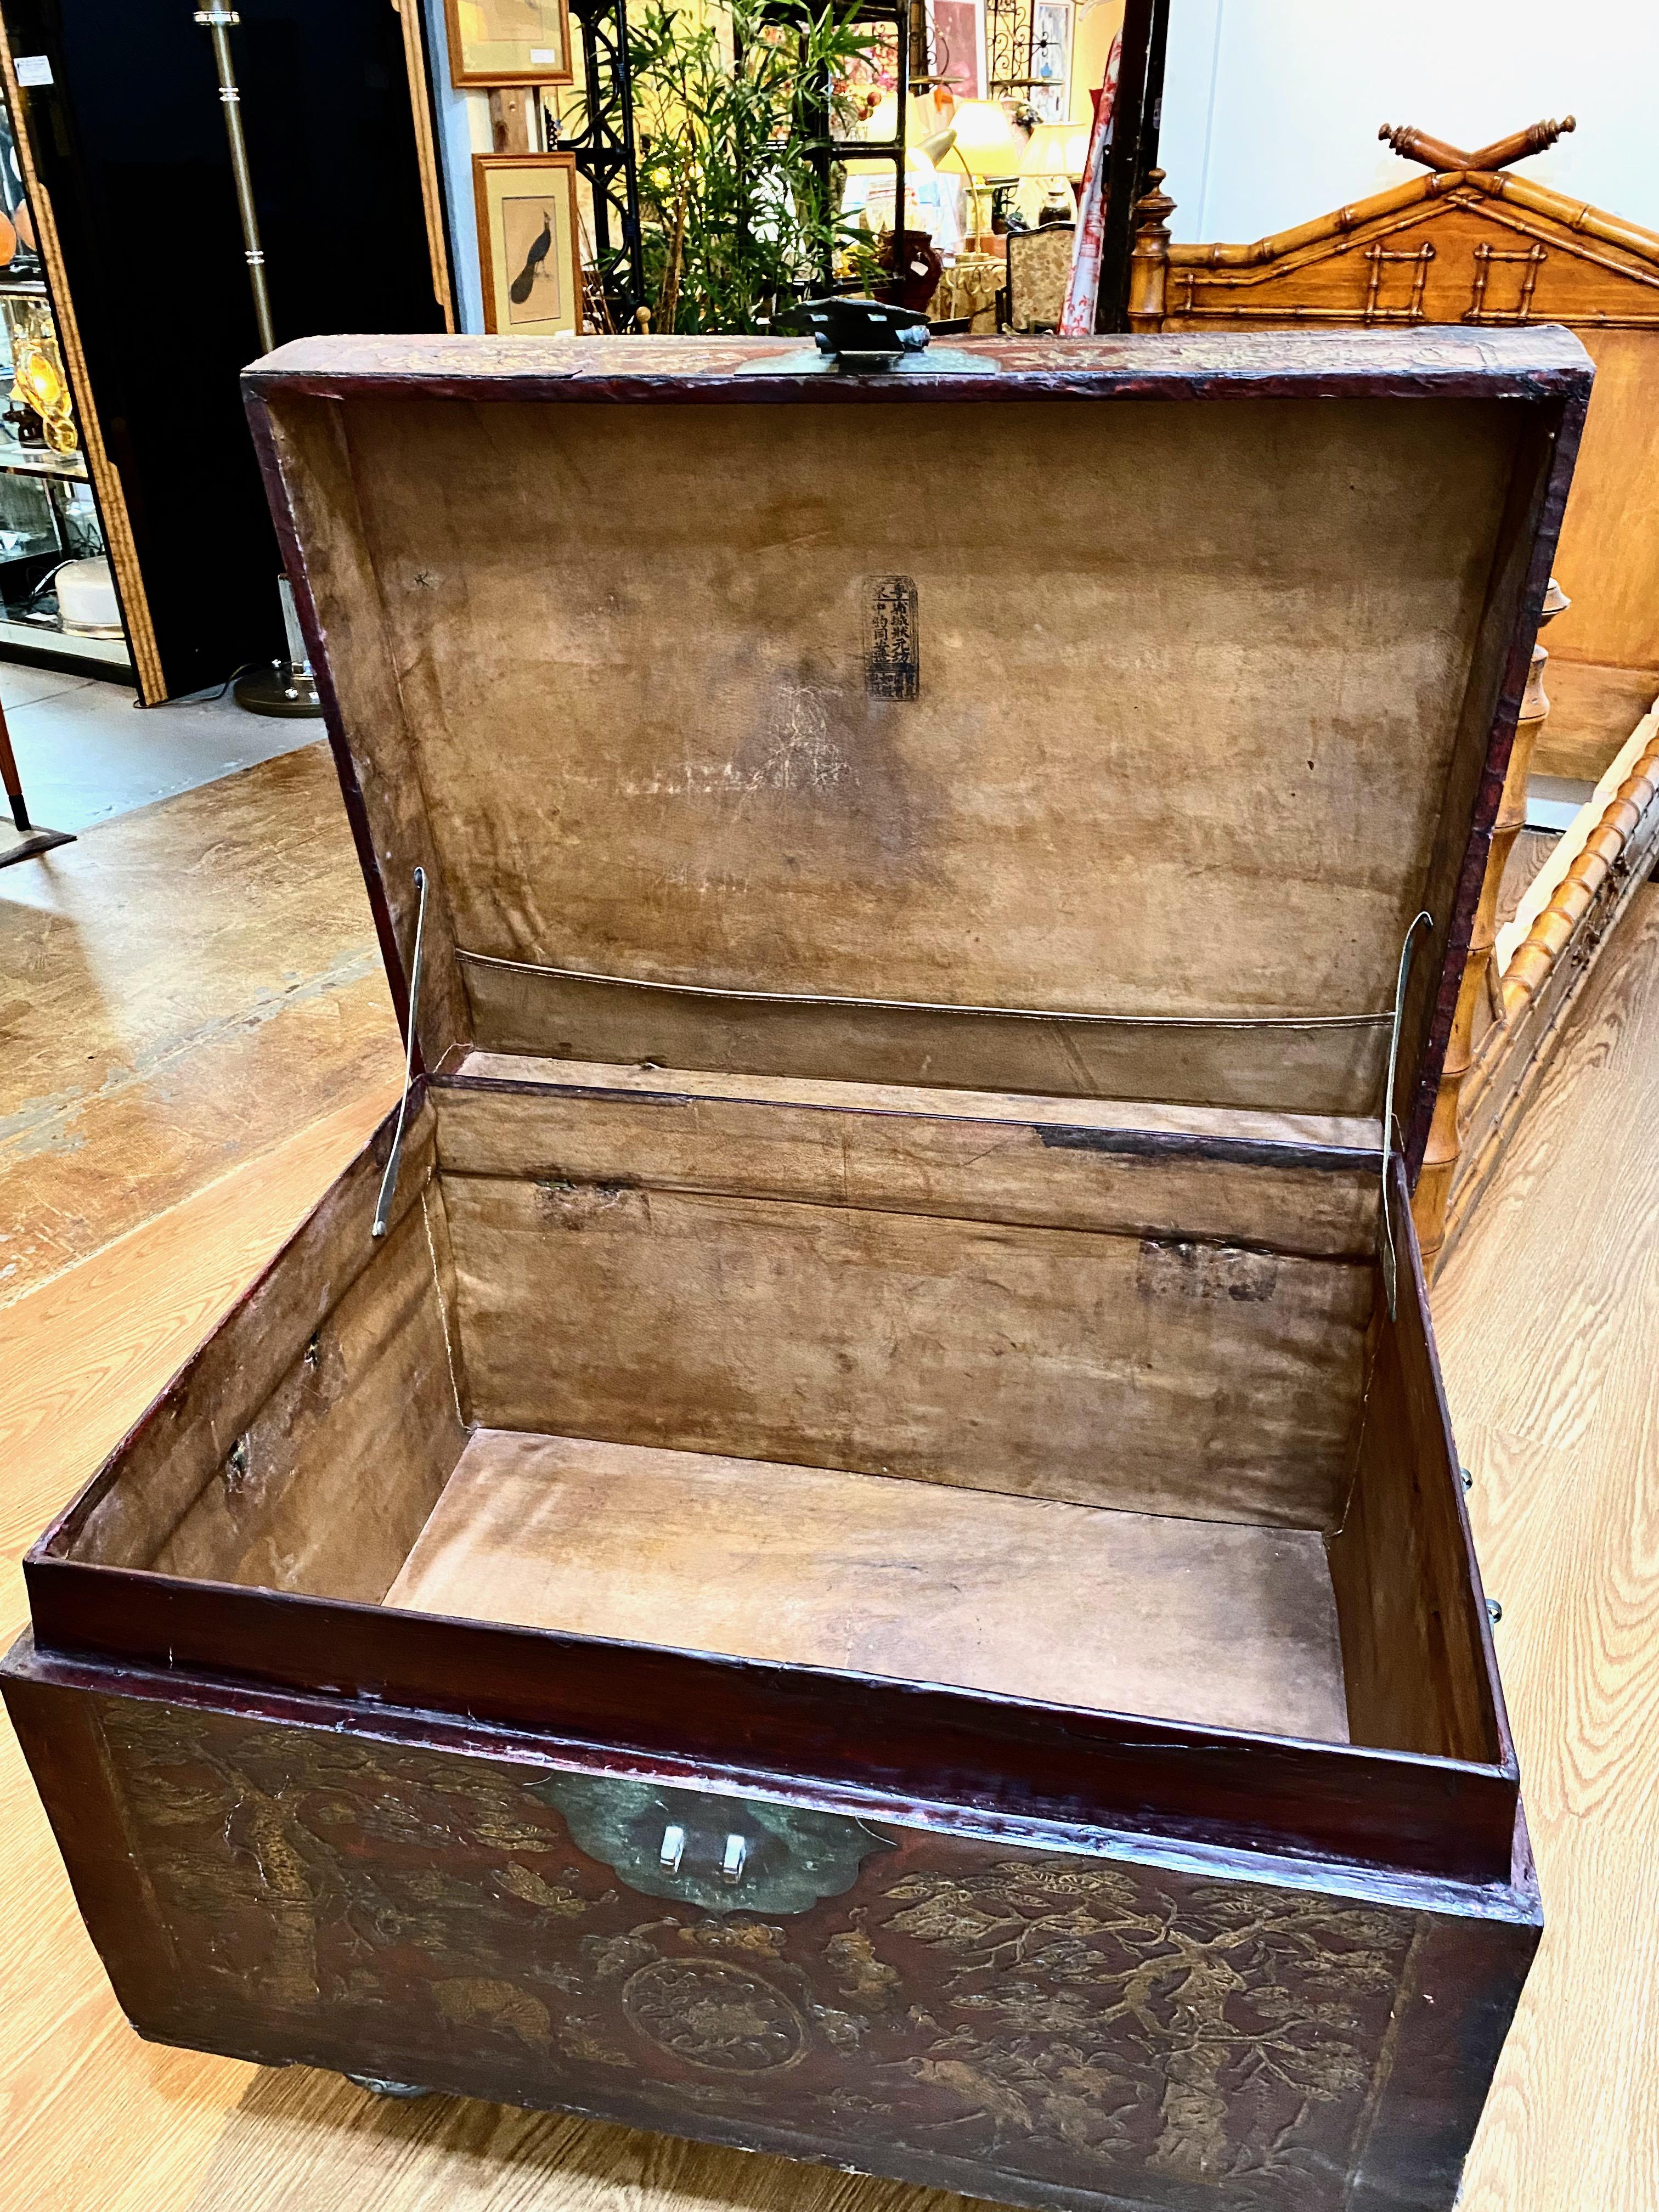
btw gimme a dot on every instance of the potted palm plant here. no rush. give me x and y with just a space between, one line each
736 219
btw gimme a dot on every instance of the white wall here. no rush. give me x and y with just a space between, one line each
463 131
1270 107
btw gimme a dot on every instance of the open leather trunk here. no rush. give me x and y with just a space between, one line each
865 1570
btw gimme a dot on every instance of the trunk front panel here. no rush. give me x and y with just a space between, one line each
1050 2026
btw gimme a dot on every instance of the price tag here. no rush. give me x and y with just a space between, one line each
546 58
33 68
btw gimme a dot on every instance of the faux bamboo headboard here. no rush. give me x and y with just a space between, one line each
1472 245
1469 245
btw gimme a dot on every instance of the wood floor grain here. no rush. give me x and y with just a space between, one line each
1548 1320
89 2116
89 1350
180 990
1548 1314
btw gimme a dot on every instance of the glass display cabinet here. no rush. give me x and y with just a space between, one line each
56 591
48 521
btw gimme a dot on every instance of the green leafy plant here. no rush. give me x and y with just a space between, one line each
736 219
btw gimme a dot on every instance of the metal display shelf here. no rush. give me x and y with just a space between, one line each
64 644
41 461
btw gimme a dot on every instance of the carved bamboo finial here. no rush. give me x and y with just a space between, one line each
1156 207
1537 138
1150 257
1440 155
1414 145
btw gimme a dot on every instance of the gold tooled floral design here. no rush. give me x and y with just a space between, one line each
707 2013
1074 2020
1083 1994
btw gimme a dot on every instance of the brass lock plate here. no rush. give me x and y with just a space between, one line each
722 1854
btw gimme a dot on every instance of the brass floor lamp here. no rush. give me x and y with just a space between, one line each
286 686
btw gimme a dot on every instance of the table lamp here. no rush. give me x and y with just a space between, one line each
1058 149
988 145
987 139
916 164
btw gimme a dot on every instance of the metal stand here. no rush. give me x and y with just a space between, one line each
905 18
29 840
283 687
605 155
288 689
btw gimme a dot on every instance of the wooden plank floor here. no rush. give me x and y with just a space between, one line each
180 990
1549 1313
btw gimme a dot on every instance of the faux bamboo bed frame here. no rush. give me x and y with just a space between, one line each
1472 244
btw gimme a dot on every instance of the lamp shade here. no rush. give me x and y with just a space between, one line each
1057 150
926 124
938 146
986 139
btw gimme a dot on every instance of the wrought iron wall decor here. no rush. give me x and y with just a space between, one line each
1013 48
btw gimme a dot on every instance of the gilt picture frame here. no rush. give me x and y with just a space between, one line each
529 257
509 42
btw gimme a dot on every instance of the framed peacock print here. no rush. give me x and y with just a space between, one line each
527 243
509 42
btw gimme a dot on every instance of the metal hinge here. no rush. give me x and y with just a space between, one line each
862 334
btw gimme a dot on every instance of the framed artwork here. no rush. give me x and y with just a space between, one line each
958 30
1051 59
528 254
508 41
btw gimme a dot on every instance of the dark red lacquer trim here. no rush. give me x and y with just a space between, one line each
1437 1817
1543 499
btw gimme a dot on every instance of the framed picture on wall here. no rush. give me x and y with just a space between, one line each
958 30
528 254
508 41
1051 59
